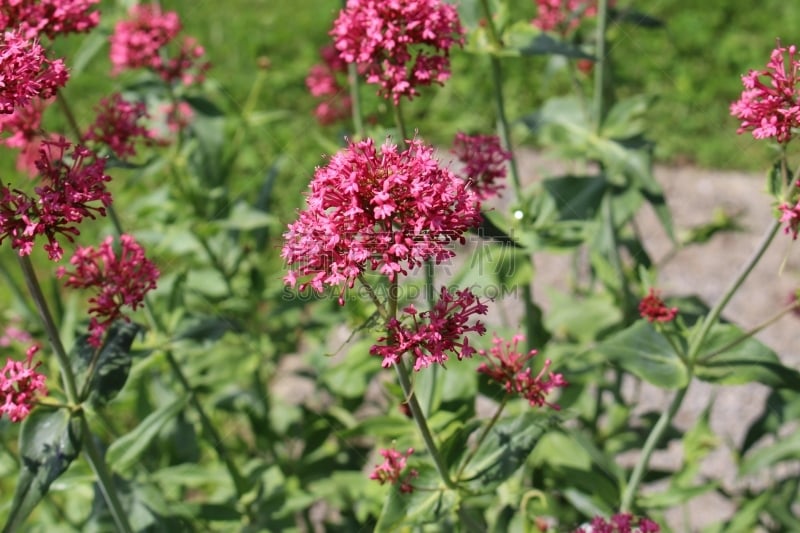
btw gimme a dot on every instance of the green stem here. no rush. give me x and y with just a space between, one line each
104 479
32 282
355 100
401 124
63 104
419 418
614 255
649 447
482 437
429 296
600 67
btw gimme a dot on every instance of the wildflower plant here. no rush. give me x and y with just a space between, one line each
204 331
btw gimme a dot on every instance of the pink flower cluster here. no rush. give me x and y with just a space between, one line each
484 162
563 16
117 126
118 279
140 42
26 73
34 18
771 108
25 133
507 367
791 216
434 333
392 467
62 201
654 309
620 523
20 383
389 211
399 45
335 103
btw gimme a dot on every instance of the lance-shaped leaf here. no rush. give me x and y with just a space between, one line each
106 371
49 440
430 503
644 352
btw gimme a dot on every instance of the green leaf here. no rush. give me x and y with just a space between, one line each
111 366
582 319
745 362
90 47
246 218
674 496
762 459
780 406
644 352
49 441
544 44
626 118
124 452
505 450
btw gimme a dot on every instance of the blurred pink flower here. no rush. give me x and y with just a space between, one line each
24 127
388 211
20 383
26 73
118 280
434 333
392 467
771 108
322 84
33 18
139 42
506 366
484 162
563 16
791 216
62 201
399 45
654 309
620 523
117 126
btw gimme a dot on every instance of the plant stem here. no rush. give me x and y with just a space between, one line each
400 122
429 296
613 253
600 66
649 447
482 437
104 479
68 378
355 100
419 418
63 104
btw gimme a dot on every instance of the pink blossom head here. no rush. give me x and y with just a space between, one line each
620 523
484 162
24 131
72 184
653 308
391 469
432 336
118 127
141 41
34 18
322 83
387 210
117 278
399 45
770 103
563 16
20 384
509 368
26 73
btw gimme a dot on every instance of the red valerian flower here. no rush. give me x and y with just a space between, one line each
140 42
118 279
392 467
620 523
563 16
322 84
25 133
508 367
399 45
117 126
484 162
20 383
771 108
388 211
435 333
33 18
790 214
654 309
62 201
26 73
